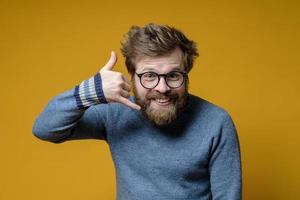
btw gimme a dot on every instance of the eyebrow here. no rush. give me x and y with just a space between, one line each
153 69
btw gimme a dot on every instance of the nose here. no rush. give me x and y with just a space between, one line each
162 86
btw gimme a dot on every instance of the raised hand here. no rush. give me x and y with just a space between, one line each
116 87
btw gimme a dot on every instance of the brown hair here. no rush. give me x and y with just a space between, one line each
155 40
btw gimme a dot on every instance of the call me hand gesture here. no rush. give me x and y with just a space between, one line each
116 87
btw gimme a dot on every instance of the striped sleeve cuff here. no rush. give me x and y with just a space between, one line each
89 92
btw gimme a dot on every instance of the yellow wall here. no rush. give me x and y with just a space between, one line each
249 64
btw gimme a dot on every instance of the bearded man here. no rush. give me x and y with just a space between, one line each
165 142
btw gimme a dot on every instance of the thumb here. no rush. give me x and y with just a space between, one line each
111 62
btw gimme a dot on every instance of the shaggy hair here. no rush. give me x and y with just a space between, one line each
156 40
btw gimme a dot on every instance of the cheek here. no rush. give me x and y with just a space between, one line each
181 91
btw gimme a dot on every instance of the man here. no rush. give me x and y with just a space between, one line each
165 143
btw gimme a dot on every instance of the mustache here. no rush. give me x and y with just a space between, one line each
158 95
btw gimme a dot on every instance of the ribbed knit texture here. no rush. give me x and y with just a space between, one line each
89 92
195 158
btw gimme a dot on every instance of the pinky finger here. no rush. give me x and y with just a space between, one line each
128 103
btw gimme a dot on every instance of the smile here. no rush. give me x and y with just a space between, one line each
162 102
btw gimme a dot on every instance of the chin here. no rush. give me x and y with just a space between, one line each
161 109
161 116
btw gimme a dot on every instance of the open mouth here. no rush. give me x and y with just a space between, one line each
162 101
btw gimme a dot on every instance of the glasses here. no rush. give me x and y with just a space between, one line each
150 80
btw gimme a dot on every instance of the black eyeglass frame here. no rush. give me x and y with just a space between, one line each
184 74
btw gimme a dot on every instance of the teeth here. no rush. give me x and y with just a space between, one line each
162 100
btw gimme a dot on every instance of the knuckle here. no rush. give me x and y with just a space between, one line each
120 83
118 91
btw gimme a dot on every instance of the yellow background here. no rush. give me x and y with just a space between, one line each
249 64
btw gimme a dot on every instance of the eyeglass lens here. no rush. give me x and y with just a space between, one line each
151 79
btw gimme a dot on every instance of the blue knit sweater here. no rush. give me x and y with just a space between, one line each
195 158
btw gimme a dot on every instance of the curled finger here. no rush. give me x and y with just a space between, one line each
126 86
125 94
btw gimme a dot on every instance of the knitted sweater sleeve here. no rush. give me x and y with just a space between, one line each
72 114
225 164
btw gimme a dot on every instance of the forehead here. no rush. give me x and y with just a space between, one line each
162 64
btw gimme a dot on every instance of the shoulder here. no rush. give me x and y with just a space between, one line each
206 114
215 120
207 109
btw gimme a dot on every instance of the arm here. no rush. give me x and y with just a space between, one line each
73 114
225 164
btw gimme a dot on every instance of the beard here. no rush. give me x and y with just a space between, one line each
166 115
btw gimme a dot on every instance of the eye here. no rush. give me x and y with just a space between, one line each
149 76
174 76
